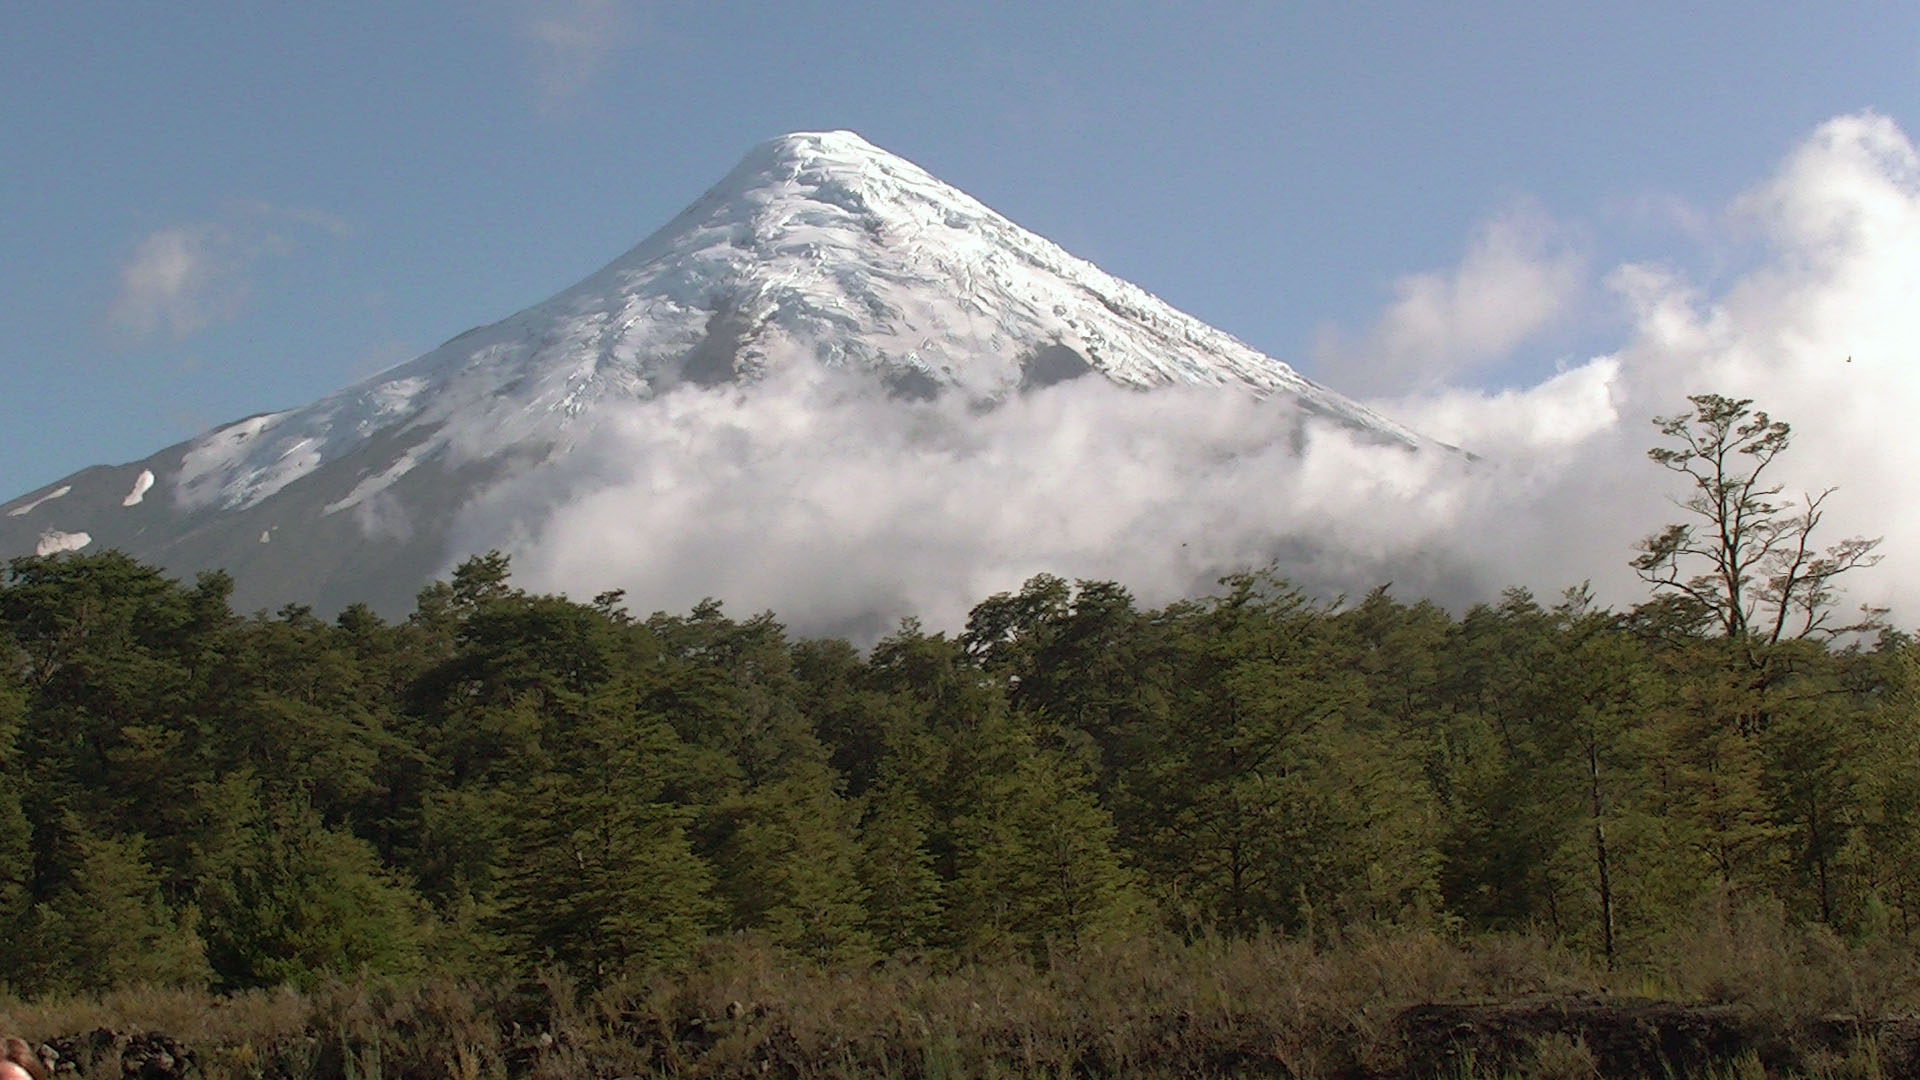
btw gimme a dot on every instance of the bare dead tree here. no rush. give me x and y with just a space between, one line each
1747 561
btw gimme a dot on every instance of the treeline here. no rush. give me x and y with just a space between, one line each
506 781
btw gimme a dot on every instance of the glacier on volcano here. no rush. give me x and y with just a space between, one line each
817 245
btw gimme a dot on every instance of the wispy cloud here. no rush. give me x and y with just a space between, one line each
1519 275
571 42
180 280
176 282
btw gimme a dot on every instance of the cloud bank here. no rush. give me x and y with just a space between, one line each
843 510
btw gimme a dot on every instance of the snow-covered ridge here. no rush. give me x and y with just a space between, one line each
817 247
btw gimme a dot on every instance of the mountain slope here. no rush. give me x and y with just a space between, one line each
818 248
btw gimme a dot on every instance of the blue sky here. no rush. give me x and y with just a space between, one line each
211 210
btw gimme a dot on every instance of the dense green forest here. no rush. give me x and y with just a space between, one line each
514 782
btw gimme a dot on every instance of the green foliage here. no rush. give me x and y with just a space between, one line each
904 892
108 926
288 900
297 713
1036 863
1248 792
789 865
114 658
596 872
16 833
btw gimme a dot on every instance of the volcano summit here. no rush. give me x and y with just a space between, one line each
819 259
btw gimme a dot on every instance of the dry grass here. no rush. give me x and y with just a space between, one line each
188 1015
1269 1006
1754 956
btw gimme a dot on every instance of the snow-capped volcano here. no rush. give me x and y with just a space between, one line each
818 248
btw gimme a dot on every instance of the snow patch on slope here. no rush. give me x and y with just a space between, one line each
225 466
53 542
375 484
141 485
22 511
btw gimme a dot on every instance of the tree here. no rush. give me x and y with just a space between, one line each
1590 713
16 832
1892 830
288 900
1080 661
788 864
108 926
1815 755
1768 705
1747 564
1035 860
1714 770
904 903
1257 798
597 873
292 706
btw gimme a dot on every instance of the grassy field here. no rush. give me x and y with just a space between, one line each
1731 997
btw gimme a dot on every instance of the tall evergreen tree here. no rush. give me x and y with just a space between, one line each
114 658
789 864
16 834
1228 802
1817 752
108 926
1591 711
1890 829
904 893
1035 860
287 899
1079 660
596 871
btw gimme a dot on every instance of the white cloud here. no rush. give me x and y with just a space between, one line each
842 510
571 41
1519 275
824 500
1562 411
181 280
1823 332
178 281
